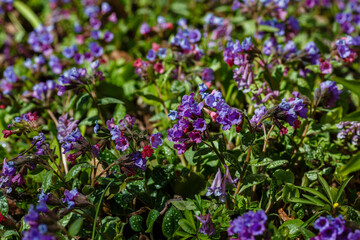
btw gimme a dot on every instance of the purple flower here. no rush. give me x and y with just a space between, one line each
325 67
10 75
207 227
207 75
156 140
68 52
95 49
181 148
145 28
173 115
195 137
65 127
162 52
139 161
108 36
194 36
344 51
259 112
248 225
69 198
105 8
151 55
199 124
202 88
122 143
328 233
321 223
96 128
218 186
330 93
32 216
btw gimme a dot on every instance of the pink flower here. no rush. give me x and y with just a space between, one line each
325 67
155 47
159 68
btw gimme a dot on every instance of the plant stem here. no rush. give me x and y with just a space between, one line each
97 211
267 139
243 172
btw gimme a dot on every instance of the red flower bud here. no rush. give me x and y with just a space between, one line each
7 133
147 151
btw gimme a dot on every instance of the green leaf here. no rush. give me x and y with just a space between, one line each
74 171
84 99
182 205
276 164
27 13
352 85
4 205
284 176
186 226
66 219
316 201
293 226
302 201
47 181
136 222
314 192
266 28
222 144
307 233
248 139
342 187
153 215
352 166
171 222
75 227
203 151
10 233
189 155
326 188
312 219
264 162
109 100
251 180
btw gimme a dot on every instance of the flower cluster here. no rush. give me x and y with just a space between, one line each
265 91
9 177
78 77
288 28
224 115
141 66
237 54
161 26
349 20
124 133
290 110
190 127
69 197
39 221
218 187
344 47
6 84
349 130
249 225
41 39
23 124
42 90
334 228
328 94
186 39
220 29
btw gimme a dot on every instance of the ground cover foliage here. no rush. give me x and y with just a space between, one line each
179 119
